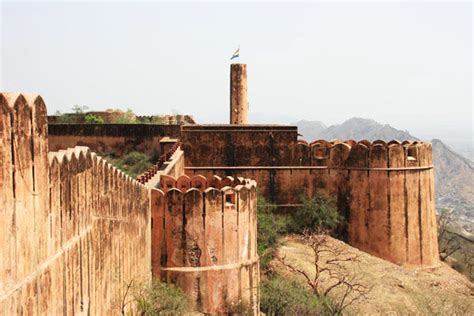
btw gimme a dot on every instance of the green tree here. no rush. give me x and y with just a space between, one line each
269 228
67 118
93 119
317 214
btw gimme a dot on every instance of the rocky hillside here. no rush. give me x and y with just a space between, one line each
394 289
354 128
454 173
454 177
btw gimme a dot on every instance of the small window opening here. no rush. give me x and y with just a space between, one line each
230 198
412 154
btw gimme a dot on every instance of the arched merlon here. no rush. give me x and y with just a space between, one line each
206 238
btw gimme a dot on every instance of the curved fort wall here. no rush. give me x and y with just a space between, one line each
208 235
386 190
70 235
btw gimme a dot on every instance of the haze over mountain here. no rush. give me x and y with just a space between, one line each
454 174
354 128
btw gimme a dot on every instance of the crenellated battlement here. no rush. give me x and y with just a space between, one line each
66 221
208 239
352 154
201 183
384 189
193 223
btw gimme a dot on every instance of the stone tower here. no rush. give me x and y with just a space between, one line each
239 105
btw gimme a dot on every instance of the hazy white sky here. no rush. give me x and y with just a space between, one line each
409 65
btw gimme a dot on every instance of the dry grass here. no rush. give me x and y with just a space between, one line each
395 290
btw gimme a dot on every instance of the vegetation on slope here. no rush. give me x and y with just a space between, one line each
155 298
454 177
455 249
285 296
290 286
395 290
159 298
132 163
270 226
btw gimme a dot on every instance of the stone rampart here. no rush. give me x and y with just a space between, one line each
73 229
385 190
238 145
208 236
111 138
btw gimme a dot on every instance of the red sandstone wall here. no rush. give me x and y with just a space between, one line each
110 138
208 243
238 145
70 235
105 144
385 189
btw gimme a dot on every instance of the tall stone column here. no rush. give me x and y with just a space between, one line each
239 104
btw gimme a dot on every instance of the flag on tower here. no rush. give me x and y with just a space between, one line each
236 54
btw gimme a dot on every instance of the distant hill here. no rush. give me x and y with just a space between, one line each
310 130
354 128
454 177
454 173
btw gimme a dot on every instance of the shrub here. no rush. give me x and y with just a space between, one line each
280 296
93 119
317 214
160 298
269 228
155 119
126 117
139 168
68 118
238 308
132 163
134 157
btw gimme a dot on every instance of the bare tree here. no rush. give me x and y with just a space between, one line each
328 263
448 242
79 109
125 300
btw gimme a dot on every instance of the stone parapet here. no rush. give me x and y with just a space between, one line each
207 231
71 237
385 190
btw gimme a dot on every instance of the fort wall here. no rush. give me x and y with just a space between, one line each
238 145
208 235
111 138
75 231
71 236
383 189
